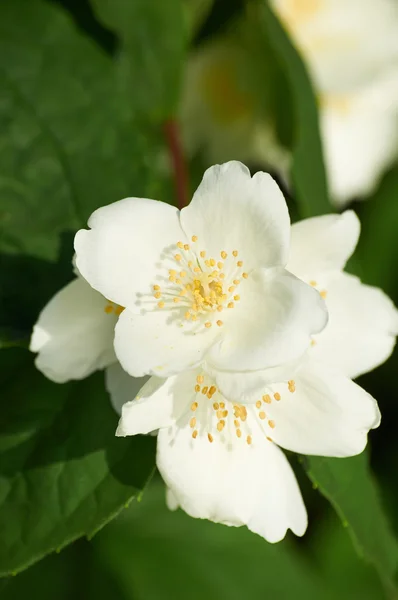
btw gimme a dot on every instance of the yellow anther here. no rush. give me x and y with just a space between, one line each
212 262
190 263
157 294
231 288
172 272
192 422
197 269
236 282
200 379
210 437
194 318
237 297
236 423
119 310
207 262
262 415
176 300
180 245
197 388
313 283
183 274
161 304
223 254
225 413
216 406
186 246
220 414
221 275
219 308
220 425
108 309
204 389
238 433
195 434
187 315
194 406
240 263
194 238
172 278
249 439
220 323
235 253
156 287
245 275
222 404
271 424
277 396
313 342
203 253
183 293
258 403
220 265
323 294
207 324
269 439
231 304
291 386
178 257
267 399
212 390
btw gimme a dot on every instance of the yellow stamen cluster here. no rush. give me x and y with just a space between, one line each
112 308
200 287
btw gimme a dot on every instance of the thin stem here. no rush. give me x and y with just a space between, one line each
178 162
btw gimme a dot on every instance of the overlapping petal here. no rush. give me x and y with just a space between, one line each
232 483
73 335
362 328
271 324
120 255
232 208
326 415
321 245
121 386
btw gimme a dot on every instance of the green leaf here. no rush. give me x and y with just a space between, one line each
308 170
69 140
196 559
349 486
63 473
195 13
153 38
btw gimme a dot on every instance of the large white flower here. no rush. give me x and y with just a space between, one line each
351 48
74 337
220 459
205 284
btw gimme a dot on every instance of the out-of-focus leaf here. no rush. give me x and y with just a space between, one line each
349 486
195 13
69 142
308 170
377 251
158 554
63 474
153 38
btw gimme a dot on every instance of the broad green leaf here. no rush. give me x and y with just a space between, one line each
69 142
195 13
308 170
197 559
63 473
152 36
348 484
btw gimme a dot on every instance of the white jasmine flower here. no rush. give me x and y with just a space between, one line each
351 48
363 321
74 337
205 284
220 459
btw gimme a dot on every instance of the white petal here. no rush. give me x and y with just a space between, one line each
232 483
270 325
121 254
158 404
232 211
156 344
326 415
74 335
362 327
121 386
322 244
171 500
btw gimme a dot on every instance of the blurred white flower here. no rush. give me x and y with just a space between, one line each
220 459
351 48
74 337
204 284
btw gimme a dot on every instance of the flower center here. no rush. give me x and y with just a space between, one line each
211 413
201 286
